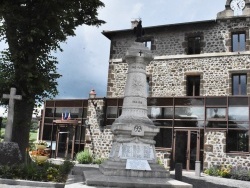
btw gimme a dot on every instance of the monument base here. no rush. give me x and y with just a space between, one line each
9 153
96 178
118 168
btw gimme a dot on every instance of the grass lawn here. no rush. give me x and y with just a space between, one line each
33 135
2 134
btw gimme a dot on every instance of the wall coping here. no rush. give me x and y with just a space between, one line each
239 153
202 55
205 55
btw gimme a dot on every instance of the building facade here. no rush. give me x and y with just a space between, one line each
198 88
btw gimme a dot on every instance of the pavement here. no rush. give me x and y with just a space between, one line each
202 181
76 180
206 181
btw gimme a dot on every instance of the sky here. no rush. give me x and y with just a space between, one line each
84 61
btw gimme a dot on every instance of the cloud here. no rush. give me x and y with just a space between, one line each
137 10
84 62
85 59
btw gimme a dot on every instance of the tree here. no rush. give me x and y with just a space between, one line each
33 29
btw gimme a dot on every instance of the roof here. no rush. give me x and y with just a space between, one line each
109 34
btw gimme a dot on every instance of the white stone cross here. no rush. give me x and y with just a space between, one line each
12 97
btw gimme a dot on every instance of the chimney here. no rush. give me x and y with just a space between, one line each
134 23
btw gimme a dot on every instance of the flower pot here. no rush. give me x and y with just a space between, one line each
40 146
38 158
41 159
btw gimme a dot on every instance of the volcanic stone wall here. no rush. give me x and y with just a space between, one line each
172 39
168 76
171 65
168 72
98 138
215 152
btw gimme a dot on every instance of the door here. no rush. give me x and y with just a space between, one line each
186 148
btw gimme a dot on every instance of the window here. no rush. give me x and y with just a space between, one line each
148 44
237 141
190 112
160 112
112 112
216 124
239 113
194 45
216 113
193 85
238 42
164 138
63 112
239 84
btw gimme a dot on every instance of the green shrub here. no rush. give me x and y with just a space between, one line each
225 172
52 173
98 160
32 171
64 170
213 171
66 167
34 126
84 157
159 162
240 173
8 172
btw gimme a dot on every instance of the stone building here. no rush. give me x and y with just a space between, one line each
198 88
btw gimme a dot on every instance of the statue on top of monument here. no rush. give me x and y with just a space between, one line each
139 31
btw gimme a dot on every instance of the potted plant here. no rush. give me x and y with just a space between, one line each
40 155
40 144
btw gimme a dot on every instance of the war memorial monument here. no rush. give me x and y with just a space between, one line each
132 161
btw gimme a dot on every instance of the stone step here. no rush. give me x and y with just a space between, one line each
96 178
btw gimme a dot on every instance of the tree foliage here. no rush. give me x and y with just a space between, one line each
33 29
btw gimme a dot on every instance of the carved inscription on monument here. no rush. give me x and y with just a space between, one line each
138 128
138 67
137 86
135 164
136 151
136 101
126 151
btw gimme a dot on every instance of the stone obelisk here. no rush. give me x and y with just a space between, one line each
133 149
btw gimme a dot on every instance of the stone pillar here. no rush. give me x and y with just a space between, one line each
133 149
178 171
197 168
